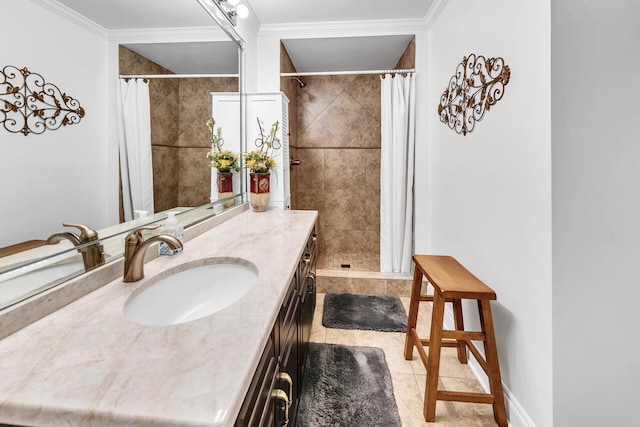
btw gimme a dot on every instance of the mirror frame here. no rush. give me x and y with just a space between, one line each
186 217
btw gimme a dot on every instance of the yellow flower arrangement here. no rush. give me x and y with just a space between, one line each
260 161
223 160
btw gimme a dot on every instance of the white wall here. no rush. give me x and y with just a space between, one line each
248 30
596 212
58 176
488 194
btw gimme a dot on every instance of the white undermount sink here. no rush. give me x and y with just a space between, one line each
191 294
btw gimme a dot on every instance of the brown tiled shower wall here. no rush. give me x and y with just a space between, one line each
179 138
339 150
337 140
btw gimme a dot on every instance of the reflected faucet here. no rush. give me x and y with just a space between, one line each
135 247
92 255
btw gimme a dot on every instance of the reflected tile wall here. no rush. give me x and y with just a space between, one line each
193 138
179 138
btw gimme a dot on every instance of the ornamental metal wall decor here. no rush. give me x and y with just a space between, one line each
477 85
30 105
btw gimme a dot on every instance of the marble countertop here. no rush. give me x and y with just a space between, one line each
87 364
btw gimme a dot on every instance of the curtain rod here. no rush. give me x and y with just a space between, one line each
335 73
174 76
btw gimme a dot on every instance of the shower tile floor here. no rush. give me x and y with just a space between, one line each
409 377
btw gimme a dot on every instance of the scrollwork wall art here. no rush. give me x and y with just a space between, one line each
477 85
30 105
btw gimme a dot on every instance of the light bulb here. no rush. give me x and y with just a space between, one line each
242 11
233 2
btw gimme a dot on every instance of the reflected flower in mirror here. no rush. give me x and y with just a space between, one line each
223 160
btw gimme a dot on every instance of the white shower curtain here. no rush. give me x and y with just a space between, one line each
396 173
134 119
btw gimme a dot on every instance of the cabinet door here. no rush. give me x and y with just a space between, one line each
307 274
288 379
258 406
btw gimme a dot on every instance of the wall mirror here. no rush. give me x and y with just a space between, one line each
204 60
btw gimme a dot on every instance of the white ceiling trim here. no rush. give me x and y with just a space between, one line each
168 35
72 16
434 11
343 28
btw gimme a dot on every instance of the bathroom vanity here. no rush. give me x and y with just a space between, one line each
88 364
272 399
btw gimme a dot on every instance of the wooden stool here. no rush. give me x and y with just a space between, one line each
452 283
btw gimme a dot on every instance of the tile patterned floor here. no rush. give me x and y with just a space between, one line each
409 377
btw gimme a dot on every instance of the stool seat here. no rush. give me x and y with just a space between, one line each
452 279
452 283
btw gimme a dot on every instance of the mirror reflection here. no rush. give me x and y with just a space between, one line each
75 178
181 175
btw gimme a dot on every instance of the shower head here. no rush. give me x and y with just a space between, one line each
300 83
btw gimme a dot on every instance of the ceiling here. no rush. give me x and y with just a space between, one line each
346 53
308 55
136 14
294 11
191 58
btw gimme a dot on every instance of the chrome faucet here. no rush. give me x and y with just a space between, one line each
92 255
135 247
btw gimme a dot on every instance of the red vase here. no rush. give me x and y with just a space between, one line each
225 182
225 188
259 185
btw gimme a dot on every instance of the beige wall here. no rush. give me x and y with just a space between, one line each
193 139
337 140
339 147
408 58
179 138
289 86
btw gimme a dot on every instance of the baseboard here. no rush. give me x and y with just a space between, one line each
516 414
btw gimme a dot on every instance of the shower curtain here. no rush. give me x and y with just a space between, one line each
134 120
396 173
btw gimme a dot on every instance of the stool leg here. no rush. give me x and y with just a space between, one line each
433 366
491 353
459 321
413 313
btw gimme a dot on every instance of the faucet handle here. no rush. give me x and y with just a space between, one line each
86 234
135 237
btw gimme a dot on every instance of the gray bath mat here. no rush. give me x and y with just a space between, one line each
346 386
371 312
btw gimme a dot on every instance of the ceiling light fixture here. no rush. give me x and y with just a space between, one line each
230 10
242 11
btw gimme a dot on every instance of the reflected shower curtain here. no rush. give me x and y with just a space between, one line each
396 173
134 120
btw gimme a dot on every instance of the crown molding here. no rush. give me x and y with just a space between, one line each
434 11
72 16
343 28
157 35
167 35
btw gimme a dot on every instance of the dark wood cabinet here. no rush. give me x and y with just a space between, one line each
257 407
272 398
307 296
